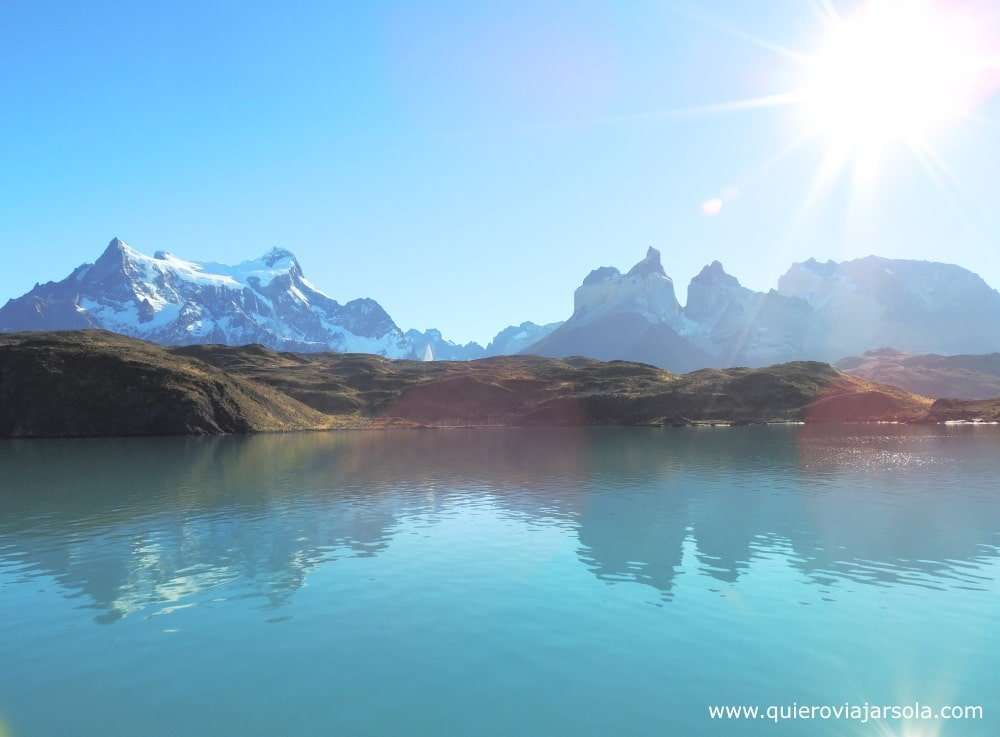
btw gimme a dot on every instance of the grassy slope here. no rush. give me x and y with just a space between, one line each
955 410
533 390
953 377
97 383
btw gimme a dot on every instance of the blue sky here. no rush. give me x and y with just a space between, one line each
465 164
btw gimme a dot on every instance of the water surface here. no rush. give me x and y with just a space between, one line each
572 582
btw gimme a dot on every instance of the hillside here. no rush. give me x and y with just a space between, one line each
530 390
951 377
956 410
98 383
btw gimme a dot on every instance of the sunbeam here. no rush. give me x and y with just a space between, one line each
886 80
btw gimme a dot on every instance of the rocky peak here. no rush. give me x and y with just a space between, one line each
651 264
715 275
601 274
117 245
713 272
366 317
278 257
806 279
711 292
116 253
114 267
645 290
819 267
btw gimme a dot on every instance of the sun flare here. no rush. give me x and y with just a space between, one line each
894 72
891 76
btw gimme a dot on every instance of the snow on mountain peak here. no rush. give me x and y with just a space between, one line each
170 300
821 310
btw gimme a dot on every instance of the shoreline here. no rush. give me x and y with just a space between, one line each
373 427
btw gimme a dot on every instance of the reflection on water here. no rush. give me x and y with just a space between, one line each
699 523
136 523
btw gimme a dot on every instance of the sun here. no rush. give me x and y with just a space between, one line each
897 71
890 76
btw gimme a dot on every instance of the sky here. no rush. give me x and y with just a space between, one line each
465 164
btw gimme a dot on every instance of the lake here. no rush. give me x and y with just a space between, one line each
507 582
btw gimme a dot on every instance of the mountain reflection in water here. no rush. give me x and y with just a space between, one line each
135 524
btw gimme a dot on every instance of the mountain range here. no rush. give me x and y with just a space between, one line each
819 311
268 300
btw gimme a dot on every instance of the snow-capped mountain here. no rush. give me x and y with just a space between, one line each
819 312
516 338
431 345
268 300
169 300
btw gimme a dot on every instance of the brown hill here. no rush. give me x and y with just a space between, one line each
956 410
524 390
97 383
953 377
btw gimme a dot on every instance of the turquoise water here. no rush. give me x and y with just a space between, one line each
578 582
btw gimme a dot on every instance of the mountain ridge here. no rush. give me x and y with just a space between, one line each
820 311
267 300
